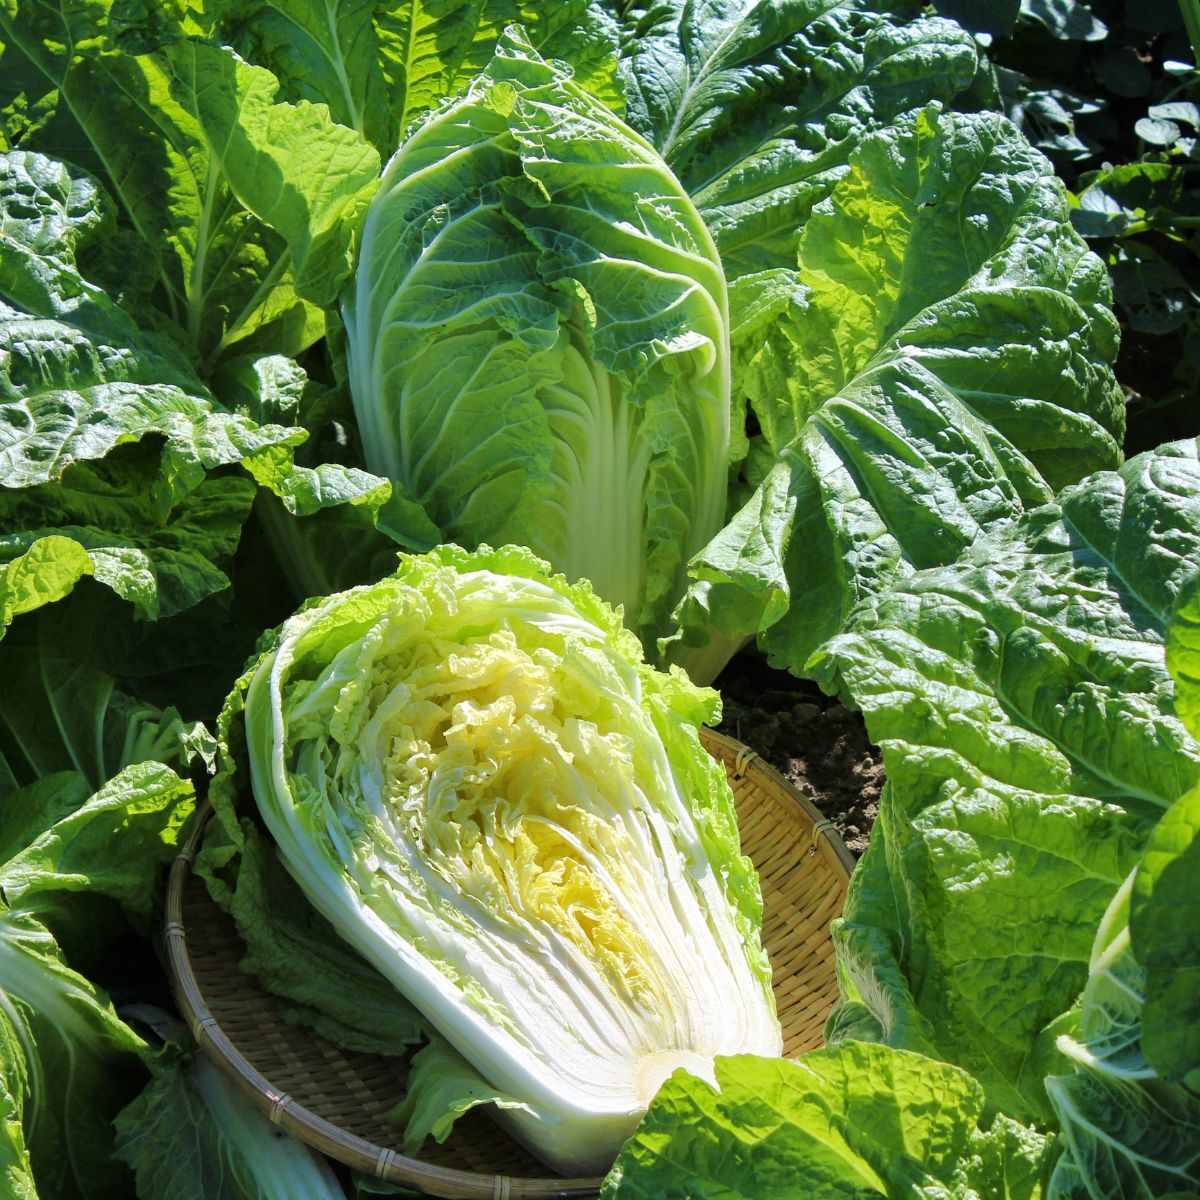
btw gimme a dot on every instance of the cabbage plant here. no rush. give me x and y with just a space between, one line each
538 336
470 771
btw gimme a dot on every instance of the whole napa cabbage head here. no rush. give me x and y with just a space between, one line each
538 337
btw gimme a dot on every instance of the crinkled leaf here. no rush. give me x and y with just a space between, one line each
917 408
440 1088
353 520
856 1121
161 558
271 389
379 67
237 202
1165 928
79 375
143 808
16 1170
756 106
1183 654
1025 712
80 380
46 572
217 273
1164 921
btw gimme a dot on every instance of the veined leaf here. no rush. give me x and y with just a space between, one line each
67 1057
80 383
241 203
905 382
853 1120
380 67
1025 713
757 104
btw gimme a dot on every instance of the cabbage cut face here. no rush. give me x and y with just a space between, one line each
471 773
538 337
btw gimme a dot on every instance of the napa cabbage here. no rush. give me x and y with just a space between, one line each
538 337
471 773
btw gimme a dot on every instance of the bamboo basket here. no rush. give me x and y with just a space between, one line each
337 1100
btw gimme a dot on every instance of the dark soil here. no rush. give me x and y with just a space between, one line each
814 741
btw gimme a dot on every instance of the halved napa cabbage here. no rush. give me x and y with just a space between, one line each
470 771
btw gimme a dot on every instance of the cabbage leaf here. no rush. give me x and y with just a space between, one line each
952 349
69 1062
854 1120
192 1135
1027 722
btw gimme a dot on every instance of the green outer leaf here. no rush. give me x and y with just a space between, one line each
68 1058
46 572
80 381
1025 713
81 376
949 244
757 105
296 954
187 176
16 1170
1165 931
855 1121
1183 653
1164 921
379 68
1164 926
192 1135
289 164
907 392
77 1059
161 562
31 810
1125 1131
271 388
59 69
440 1088
144 807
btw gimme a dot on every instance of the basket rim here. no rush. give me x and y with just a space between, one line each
350 1149
749 764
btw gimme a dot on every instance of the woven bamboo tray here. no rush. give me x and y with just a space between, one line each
336 1100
